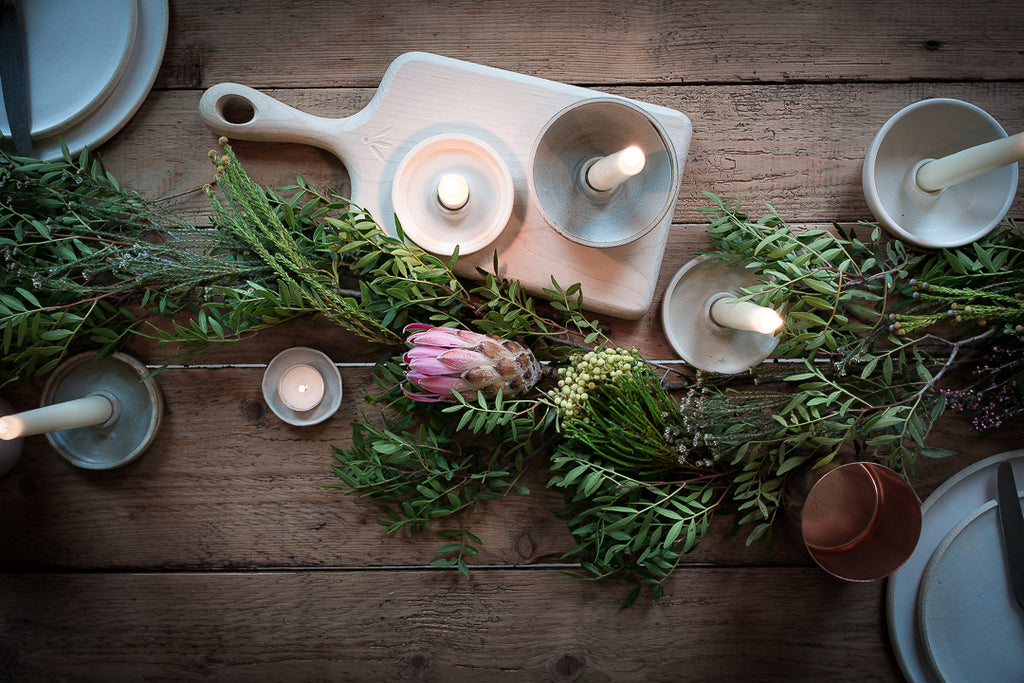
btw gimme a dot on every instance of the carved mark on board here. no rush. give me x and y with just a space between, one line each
377 142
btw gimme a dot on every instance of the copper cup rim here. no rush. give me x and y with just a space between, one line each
879 502
863 559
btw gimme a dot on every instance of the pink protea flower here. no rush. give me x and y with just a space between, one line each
444 361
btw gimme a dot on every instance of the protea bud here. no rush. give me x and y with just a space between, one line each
445 361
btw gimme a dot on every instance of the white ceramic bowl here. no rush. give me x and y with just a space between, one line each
572 140
951 217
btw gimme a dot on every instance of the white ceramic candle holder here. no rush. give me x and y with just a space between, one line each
583 134
473 221
302 356
138 408
693 333
954 215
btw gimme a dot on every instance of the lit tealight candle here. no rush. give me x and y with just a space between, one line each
745 315
452 191
301 387
611 171
80 412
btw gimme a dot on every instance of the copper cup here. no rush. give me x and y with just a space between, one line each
861 521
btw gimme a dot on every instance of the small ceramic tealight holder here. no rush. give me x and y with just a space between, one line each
98 413
302 386
604 172
941 173
452 190
706 324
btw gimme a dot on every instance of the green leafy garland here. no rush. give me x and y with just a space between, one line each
873 330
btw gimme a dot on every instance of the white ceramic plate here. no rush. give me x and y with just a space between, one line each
971 626
99 109
955 501
75 53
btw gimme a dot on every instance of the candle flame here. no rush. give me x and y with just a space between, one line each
9 429
633 160
767 321
303 388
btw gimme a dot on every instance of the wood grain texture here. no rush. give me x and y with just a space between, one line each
223 553
799 147
350 43
228 485
433 625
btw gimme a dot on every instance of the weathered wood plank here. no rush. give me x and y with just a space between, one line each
799 147
272 44
434 625
250 567
228 485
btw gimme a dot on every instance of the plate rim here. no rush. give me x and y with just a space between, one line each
909 654
957 532
127 96
55 123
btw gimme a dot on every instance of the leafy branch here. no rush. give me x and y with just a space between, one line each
874 331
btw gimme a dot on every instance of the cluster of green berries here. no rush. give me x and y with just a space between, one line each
221 162
577 380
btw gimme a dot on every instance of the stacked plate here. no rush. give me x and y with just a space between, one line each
952 614
89 67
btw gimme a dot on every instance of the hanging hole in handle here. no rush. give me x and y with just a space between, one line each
236 109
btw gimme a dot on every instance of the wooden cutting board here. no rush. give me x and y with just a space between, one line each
423 95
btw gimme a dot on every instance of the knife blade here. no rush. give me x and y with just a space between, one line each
14 77
1012 521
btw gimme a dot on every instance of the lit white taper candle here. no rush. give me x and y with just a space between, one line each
613 170
452 191
745 315
970 163
80 412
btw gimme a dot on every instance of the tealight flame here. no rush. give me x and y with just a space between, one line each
452 191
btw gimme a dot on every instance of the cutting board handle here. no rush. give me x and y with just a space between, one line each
242 113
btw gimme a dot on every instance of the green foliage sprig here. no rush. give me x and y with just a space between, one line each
872 328
78 251
874 331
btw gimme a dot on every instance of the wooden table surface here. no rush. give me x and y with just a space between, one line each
224 553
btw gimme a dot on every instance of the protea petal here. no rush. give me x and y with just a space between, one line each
423 352
460 360
430 365
423 398
443 384
482 376
438 336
